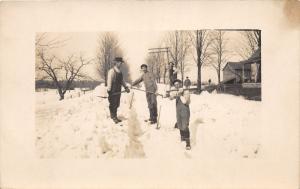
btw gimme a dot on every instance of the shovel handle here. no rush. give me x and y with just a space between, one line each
189 89
116 93
113 94
157 94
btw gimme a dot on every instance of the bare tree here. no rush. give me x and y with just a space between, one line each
61 72
251 41
184 51
108 49
44 45
156 65
201 42
179 44
219 52
159 67
160 55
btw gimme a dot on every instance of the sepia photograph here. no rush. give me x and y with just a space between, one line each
148 94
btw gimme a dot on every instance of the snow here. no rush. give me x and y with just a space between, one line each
221 126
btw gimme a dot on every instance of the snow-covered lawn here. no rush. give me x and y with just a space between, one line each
222 126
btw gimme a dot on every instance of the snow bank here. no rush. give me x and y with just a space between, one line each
228 121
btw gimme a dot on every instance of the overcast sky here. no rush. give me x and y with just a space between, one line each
135 46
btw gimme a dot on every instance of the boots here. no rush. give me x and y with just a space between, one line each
153 121
115 120
186 137
153 115
118 119
188 144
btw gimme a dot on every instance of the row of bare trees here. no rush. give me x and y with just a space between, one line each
184 49
204 48
61 71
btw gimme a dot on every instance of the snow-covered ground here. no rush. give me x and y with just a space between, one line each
222 126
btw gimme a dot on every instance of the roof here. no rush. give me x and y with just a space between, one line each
256 57
237 66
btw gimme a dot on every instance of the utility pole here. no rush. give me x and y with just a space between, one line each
170 64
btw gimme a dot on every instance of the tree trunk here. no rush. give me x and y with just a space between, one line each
181 71
176 56
199 46
59 89
171 75
199 77
61 94
105 78
219 76
165 75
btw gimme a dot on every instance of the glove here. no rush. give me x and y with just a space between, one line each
180 91
127 90
173 94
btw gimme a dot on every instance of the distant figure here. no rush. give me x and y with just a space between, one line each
114 83
209 81
182 111
151 88
187 83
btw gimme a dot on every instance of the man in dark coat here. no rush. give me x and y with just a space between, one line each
182 111
114 83
151 88
187 83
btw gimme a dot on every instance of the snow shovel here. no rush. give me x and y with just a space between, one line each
157 94
116 93
101 91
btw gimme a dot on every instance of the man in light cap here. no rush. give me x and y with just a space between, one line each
114 84
151 88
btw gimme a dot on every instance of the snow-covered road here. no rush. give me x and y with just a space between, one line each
79 127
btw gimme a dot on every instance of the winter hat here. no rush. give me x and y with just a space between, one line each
144 65
119 59
176 80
